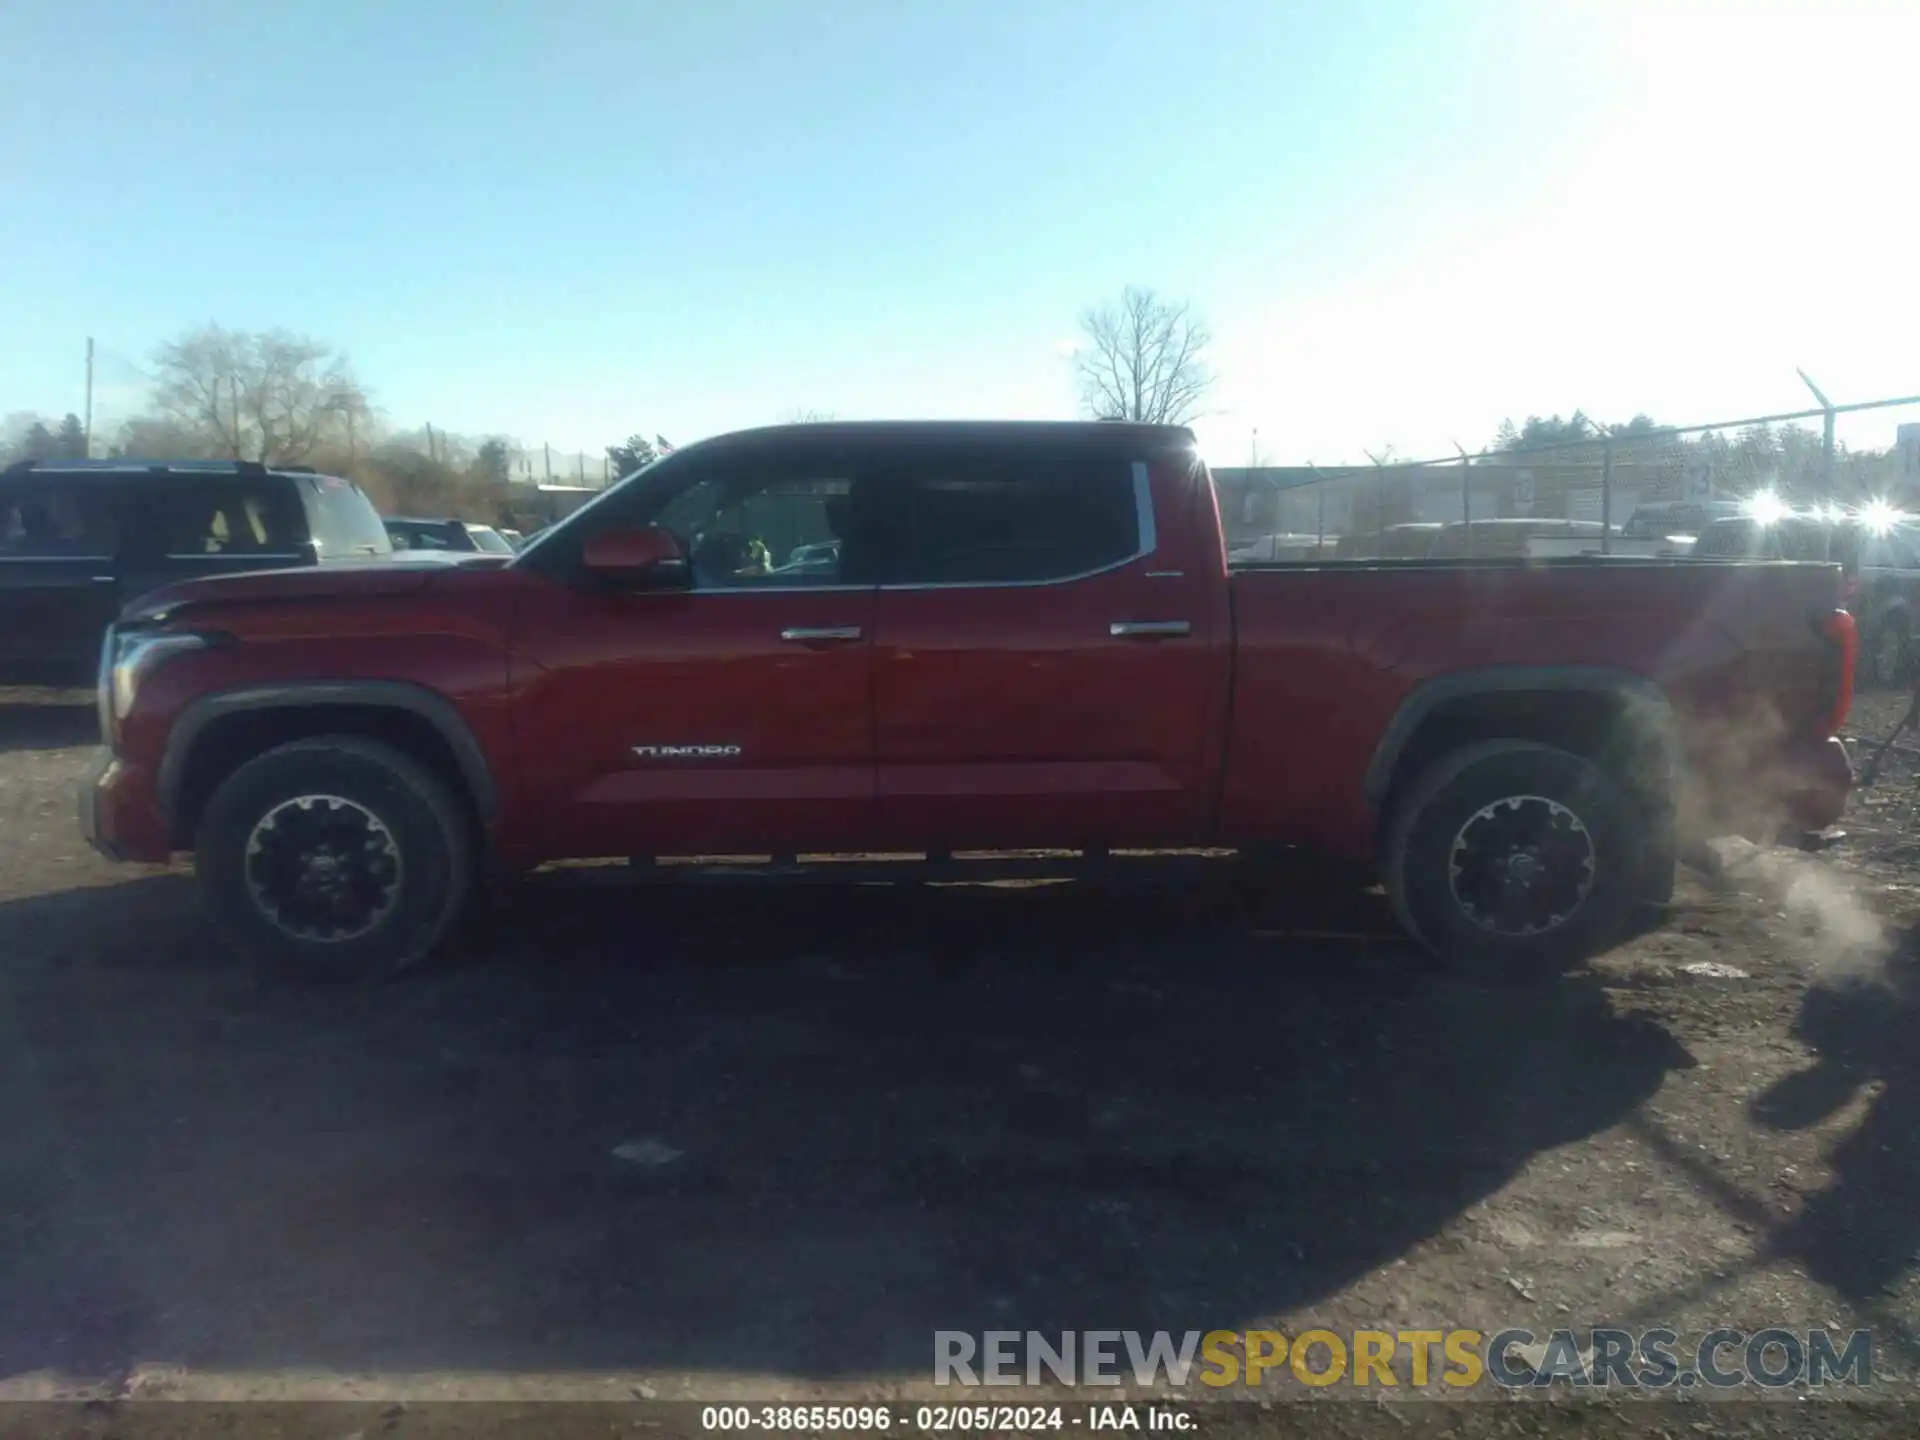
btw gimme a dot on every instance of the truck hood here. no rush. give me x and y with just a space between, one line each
349 580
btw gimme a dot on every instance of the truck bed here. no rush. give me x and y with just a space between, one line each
1327 656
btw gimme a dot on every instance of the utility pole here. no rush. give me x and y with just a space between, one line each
87 425
1606 492
1466 494
547 451
1380 505
430 451
1319 511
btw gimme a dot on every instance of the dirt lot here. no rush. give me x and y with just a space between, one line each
758 1139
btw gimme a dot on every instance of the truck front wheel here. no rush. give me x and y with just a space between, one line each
1514 860
334 858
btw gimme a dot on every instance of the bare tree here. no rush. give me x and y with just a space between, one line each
1144 359
161 437
271 396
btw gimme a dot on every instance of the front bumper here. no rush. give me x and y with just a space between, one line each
117 815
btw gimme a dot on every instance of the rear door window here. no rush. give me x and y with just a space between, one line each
969 519
343 518
54 517
198 515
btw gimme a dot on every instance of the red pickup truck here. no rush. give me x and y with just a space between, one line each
930 636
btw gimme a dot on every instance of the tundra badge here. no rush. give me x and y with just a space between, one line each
686 752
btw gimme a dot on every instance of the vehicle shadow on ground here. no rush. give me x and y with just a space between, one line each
862 1113
1861 1235
47 727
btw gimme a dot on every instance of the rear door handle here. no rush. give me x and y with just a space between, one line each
814 635
1147 629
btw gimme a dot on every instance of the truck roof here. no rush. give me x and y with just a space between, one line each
130 467
1101 435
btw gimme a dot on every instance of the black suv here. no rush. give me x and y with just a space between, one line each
80 538
1881 564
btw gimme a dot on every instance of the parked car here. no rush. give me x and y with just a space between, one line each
1519 537
1670 527
1030 638
1281 546
459 535
79 539
1881 563
513 537
1409 541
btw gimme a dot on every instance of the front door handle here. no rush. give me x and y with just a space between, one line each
814 635
1147 629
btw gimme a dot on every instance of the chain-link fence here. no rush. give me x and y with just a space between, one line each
1638 489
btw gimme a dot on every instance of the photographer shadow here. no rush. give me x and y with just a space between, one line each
1861 1235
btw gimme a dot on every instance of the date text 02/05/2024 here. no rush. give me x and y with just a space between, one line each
942 1419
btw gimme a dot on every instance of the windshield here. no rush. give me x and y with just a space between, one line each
428 535
343 520
1658 522
1726 538
489 540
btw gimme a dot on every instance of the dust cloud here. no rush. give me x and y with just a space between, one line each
1835 934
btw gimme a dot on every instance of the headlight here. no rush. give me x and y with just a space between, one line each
132 656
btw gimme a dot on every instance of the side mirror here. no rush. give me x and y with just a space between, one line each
643 559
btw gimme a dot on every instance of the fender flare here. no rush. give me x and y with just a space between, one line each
1645 700
416 700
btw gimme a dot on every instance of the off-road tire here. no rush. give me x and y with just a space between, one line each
1427 819
427 824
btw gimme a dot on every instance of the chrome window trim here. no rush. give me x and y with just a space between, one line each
248 555
47 559
772 590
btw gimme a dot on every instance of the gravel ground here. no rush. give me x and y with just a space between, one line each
751 1139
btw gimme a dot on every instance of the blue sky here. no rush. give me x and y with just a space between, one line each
571 220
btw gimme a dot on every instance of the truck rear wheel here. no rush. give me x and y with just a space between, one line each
335 858
1514 860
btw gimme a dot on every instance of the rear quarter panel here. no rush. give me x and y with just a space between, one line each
1325 657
